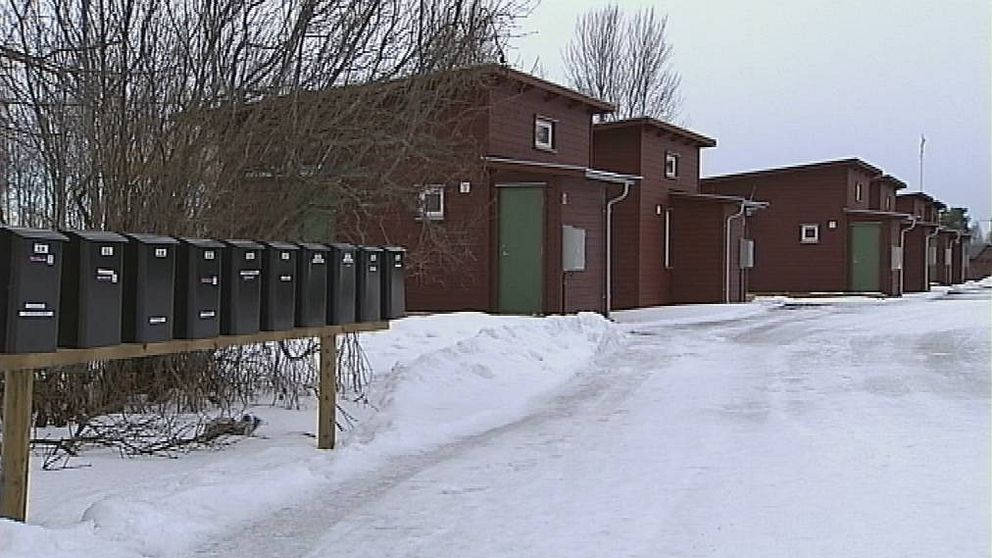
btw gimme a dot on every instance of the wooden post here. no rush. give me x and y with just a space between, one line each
327 398
16 443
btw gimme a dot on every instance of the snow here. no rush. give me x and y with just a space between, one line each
783 427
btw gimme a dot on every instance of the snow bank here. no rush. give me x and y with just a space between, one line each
438 378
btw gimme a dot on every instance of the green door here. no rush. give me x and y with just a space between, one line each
521 249
866 243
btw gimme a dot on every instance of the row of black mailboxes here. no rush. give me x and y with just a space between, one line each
88 289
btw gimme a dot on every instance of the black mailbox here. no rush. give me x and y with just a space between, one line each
149 276
368 307
341 284
311 285
198 286
393 290
241 290
92 289
30 272
279 286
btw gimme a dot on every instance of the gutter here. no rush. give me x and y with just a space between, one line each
609 244
902 247
726 278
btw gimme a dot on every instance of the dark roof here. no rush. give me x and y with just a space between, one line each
698 139
527 79
853 162
925 197
899 184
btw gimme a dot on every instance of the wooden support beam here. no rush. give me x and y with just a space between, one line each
65 357
16 444
19 381
328 397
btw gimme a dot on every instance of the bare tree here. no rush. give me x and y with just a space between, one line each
626 60
227 118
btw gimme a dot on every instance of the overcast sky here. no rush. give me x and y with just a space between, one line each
780 82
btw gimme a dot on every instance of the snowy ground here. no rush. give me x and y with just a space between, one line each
840 427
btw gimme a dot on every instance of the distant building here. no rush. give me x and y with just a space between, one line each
830 227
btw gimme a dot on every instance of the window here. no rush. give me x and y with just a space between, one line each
809 234
431 204
859 193
671 165
888 203
544 133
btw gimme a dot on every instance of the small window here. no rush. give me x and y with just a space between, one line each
888 203
544 133
809 234
859 193
432 202
671 165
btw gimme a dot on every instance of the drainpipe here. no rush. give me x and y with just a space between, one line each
926 258
902 248
726 278
957 241
609 245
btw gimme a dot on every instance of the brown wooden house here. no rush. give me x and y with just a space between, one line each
533 224
918 236
980 265
830 227
672 243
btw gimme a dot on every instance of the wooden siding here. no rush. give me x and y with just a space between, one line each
511 126
808 196
914 260
584 207
697 251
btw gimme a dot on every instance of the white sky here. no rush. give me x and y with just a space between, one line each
780 82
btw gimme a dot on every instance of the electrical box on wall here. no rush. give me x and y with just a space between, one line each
896 258
831 224
747 253
464 187
573 248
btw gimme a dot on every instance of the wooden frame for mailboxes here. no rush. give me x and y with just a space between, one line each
19 381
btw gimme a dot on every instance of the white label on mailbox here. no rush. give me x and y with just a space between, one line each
347 259
286 278
318 259
249 274
106 250
373 268
373 257
156 320
284 255
35 305
161 252
249 255
40 248
36 314
212 280
208 255
50 260
207 314
106 275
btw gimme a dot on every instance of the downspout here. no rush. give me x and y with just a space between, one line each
726 278
609 245
957 241
926 258
902 264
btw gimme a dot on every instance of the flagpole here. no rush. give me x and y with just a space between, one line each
923 141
